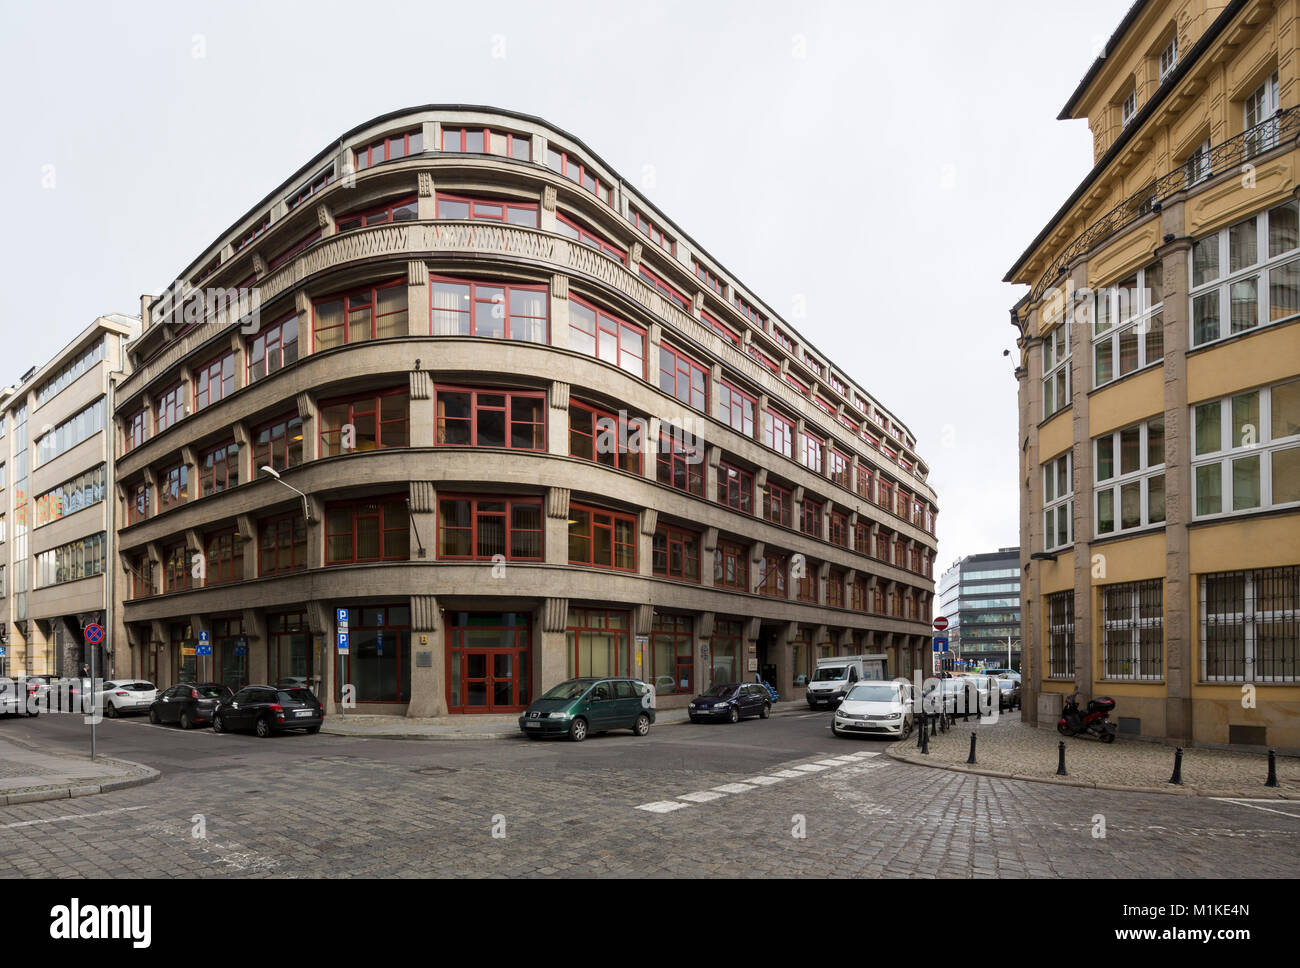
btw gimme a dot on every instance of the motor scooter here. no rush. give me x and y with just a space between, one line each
1095 722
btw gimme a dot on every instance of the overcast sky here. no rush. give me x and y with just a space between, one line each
881 164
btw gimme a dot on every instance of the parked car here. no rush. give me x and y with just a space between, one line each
23 696
882 708
835 676
119 696
988 695
578 707
268 710
292 682
190 704
732 701
1010 688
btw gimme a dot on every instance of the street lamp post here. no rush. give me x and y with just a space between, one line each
306 509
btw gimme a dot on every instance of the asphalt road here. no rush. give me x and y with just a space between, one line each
760 798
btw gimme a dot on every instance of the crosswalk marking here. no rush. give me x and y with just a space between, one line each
662 806
703 796
795 771
735 788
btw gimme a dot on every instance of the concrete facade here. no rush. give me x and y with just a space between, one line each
424 621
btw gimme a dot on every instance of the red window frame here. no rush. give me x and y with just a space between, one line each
177 568
281 446
750 313
253 233
170 408
665 290
286 552
835 589
838 385
372 301
608 326
377 509
885 494
723 330
139 505
785 341
710 280
606 521
478 514
214 381
778 430
141 576
802 388
479 304
810 517
679 378
651 231
328 448
806 587
293 250
219 473
736 488
624 457
173 487
737 408
228 564
729 556
680 464
773 576
377 152
851 424
379 214
513 142
812 452
317 184
480 210
135 430
815 365
777 504
269 346
862 484
839 467
763 358
576 170
862 538
507 410
587 237
823 406
858 601
839 533
671 542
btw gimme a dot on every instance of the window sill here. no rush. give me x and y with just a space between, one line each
1130 533
1127 376
1244 334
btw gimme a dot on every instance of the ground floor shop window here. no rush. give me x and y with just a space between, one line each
725 650
599 643
489 665
801 652
184 653
377 665
230 653
672 655
288 648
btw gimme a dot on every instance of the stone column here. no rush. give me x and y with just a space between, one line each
422 423
560 311
1086 645
645 541
551 663
428 665
424 505
557 529
417 300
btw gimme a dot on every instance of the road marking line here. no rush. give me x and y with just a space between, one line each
71 816
787 774
704 796
764 780
810 767
662 806
808 715
1253 805
734 788
838 761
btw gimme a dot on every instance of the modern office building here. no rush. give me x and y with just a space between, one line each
55 475
522 428
979 595
1159 399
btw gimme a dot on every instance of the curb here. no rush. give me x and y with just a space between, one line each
71 790
497 734
1263 793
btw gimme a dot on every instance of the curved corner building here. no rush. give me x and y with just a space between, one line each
524 429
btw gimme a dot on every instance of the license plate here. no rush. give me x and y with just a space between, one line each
305 712
530 724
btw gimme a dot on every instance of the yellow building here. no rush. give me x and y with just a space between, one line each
1159 378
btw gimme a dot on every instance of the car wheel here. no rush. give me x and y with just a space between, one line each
153 716
835 731
217 725
642 727
186 722
734 715
110 710
812 705
313 730
907 729
578 730
767 710
695 719
263 727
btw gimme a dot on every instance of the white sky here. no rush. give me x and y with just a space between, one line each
888 177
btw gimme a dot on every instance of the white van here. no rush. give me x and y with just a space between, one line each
883 708
835 675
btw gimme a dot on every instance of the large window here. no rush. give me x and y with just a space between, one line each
1132 618
219 469
839 530
810 517
289 651
378 529
278 444
1056 370
812 452
487 209
224 553
84 558
71 432
736 408
69 497
173 487
680 461
70 372
576 170
777 504
597 333
736 488
1058 502
1246 275
650 230
490 418
376 312
282 545
293 250
1250 625
135 430
484 527
839 468
170 407
778 433
772 575
273 348
672 654
486 141
1246 451
665 290
677 553
599 642
614 440
1259 111
390 148
605 539
378 662
402 210
373 422
215 381
1128 325
1130 477
683 378
731 566
579 233
1060 635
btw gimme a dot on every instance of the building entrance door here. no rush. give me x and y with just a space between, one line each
488 664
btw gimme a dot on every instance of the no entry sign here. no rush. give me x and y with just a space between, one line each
940 624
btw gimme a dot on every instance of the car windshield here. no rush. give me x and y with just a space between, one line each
212 692
297 695
875 692
722 691
137 686
828 672
573 689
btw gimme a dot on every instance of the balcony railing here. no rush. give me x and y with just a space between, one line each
1265 136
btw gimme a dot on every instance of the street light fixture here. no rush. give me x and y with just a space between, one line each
306 509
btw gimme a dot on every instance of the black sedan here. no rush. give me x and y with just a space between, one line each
731 701
268 709
190 704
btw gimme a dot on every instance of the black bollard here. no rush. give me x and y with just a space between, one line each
925 742
921 738
1060 760
934 725
971 758
1272 769
1178 767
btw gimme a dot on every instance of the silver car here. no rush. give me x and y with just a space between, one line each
1009 684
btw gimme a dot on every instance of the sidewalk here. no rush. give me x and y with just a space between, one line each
1009 748
29 774
474 726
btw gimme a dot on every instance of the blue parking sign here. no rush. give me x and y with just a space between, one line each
343 616
343 642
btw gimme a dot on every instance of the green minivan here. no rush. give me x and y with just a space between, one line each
579 707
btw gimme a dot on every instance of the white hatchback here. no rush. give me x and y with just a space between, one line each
126 696
880 708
